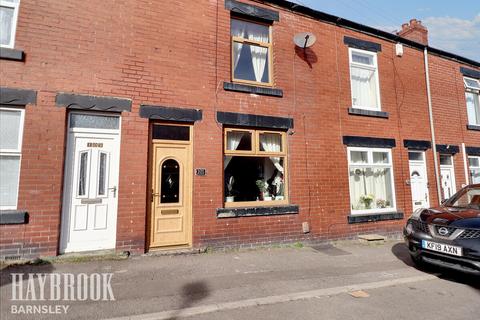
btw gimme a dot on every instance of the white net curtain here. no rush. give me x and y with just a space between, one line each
272 142
364 87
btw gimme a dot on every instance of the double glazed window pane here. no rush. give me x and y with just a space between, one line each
371 188
10 129
93 121
364 87
415 156
9 174
250 62
254 178
358 157
472 84
474 162
271 142
366 59
445 160
380 157
6 25
249 30
473 108
239 140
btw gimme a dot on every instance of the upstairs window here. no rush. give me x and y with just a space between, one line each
8 22
472 96
11 131
251 52
364 79
474 164
255 167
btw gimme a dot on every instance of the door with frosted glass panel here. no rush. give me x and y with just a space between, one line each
91 191
418 180
447 174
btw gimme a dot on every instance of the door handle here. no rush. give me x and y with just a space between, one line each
114 189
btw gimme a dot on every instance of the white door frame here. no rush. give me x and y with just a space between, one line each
423 164
450 167
72 134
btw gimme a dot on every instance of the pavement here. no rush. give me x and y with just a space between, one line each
344 280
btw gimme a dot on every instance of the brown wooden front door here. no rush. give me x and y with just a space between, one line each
171 198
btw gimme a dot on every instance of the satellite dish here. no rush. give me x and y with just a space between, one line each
304 39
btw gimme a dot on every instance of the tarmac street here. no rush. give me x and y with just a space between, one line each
344 280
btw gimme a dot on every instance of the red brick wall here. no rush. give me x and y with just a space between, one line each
450 110
177 53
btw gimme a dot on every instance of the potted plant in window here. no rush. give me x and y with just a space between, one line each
263 188
367 200
230 197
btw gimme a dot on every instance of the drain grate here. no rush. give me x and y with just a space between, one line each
330 250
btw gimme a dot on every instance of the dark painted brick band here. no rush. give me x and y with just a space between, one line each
17 97
417 144
367 113
86 102
256 211
229 86
470 72
473 127
473 151
12 54
170 113
252 120
251 10
369 142
447 148
362 44
375 217
13 217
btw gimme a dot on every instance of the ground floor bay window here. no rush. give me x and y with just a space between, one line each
371 180
254 167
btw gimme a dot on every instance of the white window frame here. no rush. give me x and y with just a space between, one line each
15 7
475 91
15 152
370 164
364 66
472 167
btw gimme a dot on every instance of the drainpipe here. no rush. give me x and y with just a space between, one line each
432 129
465 167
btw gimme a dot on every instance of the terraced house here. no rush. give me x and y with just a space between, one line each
145 125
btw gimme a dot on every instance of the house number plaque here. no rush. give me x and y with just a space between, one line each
201 172
94 145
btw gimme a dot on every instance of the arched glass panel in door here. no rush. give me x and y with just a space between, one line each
170 182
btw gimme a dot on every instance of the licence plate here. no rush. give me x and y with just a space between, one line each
443 248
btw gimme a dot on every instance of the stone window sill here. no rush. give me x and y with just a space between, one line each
237 87
257 211
367 113
373 217
473 127
13 217
12 54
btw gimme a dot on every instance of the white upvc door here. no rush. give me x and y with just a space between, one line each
447 173
91 191
418 180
